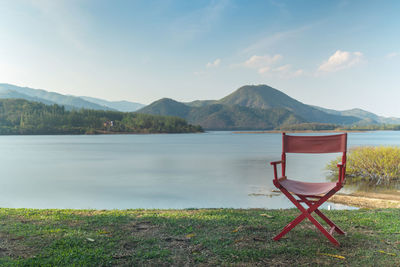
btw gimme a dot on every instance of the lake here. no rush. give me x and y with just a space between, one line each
210 170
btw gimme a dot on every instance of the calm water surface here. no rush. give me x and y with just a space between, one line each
211 170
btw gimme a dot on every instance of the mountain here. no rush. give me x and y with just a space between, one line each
223 117
201 103
45 97
264 97
366 116
249 107
235 117
68 101
14 94
389 120
124 106
166 107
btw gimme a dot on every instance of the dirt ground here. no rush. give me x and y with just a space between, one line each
368 200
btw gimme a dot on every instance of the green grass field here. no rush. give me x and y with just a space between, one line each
204 237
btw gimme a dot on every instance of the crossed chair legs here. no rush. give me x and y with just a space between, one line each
306 213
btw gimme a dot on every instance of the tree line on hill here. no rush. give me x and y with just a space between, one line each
18 116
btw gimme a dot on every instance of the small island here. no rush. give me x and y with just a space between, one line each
22 117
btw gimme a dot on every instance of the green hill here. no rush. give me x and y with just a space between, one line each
167 107
249 107
264 97
224 117
201 103
19 116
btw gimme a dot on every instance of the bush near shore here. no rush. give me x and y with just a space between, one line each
205 237
378 165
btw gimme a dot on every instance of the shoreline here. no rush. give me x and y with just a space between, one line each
98 133
367 200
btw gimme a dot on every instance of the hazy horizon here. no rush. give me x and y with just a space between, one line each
334 54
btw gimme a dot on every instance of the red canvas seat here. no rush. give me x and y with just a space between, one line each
312 194
307 189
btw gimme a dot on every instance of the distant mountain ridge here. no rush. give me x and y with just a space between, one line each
124 106
264 97
223 117
257 107
14 94
366 116
68 101
45 97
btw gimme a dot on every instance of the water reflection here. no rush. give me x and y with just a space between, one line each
359 184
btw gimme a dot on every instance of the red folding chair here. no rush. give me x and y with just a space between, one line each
312 194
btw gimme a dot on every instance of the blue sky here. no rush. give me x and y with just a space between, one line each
335 54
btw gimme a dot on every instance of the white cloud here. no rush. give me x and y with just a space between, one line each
267 65
264 70
283 68
392 55
286 71
209 65
214 64
298 72
260 62
341 60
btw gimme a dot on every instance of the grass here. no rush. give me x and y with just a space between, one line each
30 237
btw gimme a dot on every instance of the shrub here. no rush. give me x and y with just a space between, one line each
380 165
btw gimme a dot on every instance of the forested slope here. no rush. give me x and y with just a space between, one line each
18 116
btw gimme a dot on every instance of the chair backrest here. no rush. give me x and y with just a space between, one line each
314 144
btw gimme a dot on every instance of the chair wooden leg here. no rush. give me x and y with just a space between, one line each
323 230
320 214
329 222
293 223
307 213
290 226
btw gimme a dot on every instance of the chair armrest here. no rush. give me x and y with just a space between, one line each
274 163
342 169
